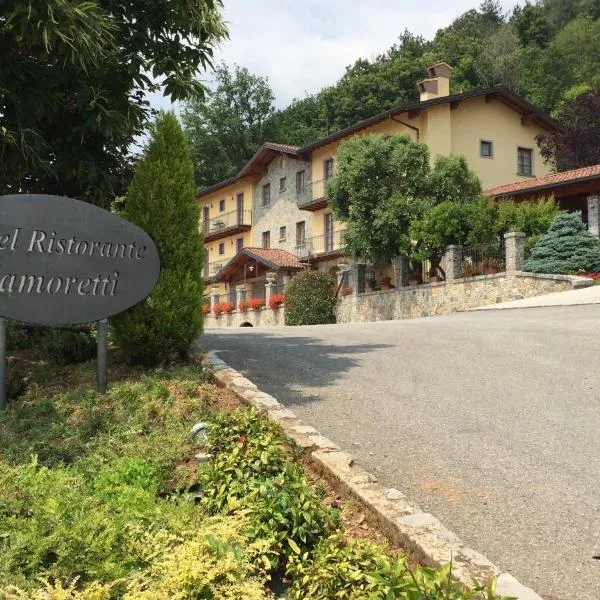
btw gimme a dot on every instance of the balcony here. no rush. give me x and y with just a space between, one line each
212 269
227 224
321 247
313 196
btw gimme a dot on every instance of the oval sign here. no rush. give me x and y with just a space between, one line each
63 261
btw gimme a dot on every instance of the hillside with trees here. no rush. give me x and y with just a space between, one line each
546 51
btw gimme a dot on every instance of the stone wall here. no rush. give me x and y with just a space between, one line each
444 298
265 317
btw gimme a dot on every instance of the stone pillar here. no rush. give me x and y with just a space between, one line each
214 297
343 270
358 274
401 266
453 262
270 286
515 251
593 211
240 294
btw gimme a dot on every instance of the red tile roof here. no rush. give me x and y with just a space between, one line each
275 257
547 182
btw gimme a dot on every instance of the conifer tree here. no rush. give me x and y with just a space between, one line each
567 247
161 201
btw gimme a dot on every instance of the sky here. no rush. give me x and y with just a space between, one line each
304 45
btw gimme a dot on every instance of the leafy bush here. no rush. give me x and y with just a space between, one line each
568 247
161 201
310 299
67 346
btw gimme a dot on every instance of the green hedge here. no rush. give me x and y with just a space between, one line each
310 299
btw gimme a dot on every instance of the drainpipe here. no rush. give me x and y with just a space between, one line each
407 125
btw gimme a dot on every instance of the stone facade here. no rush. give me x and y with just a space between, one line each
265 317
283 209
448 297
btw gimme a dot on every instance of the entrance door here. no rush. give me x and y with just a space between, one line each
328 232
240 208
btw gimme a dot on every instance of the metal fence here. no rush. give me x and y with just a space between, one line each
483 260
235 218
319 245
379 276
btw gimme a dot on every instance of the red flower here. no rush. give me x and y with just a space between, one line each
276 300
256 303
243 306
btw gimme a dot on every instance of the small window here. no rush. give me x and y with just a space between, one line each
222 205
524 161
282 233
300 234
222 248
282 184
266 239
266 194
300 182
239 244
328 169
486 149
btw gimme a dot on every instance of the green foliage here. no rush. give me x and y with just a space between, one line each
74 79
68 346
229 126
161 201
567 247
310 299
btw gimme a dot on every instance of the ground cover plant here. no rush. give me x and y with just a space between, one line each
102 498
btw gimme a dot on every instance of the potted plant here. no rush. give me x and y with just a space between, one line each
386 283
205 309
243 306
226 307
371 285
276 300
256 303
217 309
469 270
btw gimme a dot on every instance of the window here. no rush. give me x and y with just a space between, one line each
300 234
222 248
266 194
222 205
282 233
266 239
239 244
282 184
486 149
300 182
328 168
524 161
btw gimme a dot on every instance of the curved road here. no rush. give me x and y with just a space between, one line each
489 420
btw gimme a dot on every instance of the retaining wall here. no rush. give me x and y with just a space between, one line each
266 317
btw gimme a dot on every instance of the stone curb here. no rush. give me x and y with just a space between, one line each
402 522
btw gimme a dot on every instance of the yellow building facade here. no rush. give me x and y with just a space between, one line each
279 200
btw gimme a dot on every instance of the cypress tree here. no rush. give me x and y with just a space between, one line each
161 200
567 247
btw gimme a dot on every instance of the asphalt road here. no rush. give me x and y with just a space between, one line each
489 420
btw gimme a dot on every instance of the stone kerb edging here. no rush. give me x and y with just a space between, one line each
402 522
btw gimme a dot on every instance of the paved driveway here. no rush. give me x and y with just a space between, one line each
489 420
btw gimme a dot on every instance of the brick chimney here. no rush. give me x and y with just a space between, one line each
437 84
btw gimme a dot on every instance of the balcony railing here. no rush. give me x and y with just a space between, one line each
313 196
212 269
322 245
227 224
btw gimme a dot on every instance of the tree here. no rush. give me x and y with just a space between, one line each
568 247
161 200
73 82
498 62
229 126
532 25
380 185
577 143
310 299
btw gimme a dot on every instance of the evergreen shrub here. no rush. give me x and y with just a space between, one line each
161 201
567 247
310 299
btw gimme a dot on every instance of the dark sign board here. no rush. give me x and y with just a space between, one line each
63 261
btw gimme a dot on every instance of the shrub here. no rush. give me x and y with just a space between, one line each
310 299
276 300
256 303
568 247
161 200
67 346
243 306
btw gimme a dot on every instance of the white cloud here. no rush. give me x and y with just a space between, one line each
304 46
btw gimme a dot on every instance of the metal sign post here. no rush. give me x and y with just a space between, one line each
102 341
2 363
